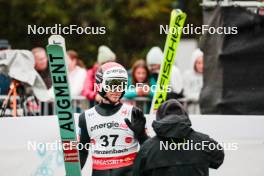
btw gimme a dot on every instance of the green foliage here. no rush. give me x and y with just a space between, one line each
132 26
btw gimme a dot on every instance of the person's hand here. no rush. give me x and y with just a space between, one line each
143 91
146 90
137 126
140 91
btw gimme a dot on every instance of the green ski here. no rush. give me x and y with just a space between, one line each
64 110
177 20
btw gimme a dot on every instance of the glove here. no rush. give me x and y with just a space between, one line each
138 127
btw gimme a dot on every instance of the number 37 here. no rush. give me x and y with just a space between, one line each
106 140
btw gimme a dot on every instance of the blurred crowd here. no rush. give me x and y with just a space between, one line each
184 86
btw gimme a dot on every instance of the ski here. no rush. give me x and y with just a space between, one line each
59 40
63 105
177 20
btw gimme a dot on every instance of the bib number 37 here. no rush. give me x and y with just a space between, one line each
107 140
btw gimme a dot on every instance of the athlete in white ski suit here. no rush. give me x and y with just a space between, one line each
113 129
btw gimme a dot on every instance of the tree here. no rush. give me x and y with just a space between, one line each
132 26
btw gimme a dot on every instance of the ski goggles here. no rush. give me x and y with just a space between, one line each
115 85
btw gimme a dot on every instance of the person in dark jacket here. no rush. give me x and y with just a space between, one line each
167 153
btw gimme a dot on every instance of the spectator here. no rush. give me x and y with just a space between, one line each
41 65
104 55
77 73
193 82
192 154
4 80
139 83
154 60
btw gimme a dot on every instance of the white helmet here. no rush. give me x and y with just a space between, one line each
111 76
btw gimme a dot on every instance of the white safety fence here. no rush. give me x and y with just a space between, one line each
17 133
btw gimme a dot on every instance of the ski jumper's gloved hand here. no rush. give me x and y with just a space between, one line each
137 125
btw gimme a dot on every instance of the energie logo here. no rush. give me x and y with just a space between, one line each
109 125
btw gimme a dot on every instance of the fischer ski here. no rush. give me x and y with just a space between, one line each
63 105
177 20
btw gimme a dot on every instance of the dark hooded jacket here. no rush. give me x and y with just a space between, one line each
167 153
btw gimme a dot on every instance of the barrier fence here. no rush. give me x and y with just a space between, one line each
18 134
32 107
